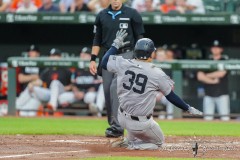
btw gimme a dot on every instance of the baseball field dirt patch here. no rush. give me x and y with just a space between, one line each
77 147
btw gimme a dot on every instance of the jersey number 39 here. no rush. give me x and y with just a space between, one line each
139 80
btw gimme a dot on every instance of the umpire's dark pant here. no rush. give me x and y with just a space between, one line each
110 92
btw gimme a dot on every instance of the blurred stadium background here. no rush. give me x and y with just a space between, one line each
188 34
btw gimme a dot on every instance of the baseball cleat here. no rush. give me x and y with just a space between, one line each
40 111
112 133
121 142
49 106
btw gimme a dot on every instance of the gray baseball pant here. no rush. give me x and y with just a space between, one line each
144 134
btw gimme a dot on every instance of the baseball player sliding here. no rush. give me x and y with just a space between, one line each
138 83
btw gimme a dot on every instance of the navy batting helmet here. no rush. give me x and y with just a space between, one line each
144 48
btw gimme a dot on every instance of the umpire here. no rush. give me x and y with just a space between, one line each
108 22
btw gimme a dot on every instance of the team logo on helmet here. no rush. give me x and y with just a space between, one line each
146 46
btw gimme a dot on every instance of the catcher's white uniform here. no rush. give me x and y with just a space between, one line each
138 83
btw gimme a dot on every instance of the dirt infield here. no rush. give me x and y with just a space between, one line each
72 147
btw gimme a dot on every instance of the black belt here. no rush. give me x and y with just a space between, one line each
124 50
121 50
136 118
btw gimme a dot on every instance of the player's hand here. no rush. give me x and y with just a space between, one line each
37 82
216 80
119 40
79 95
93 67
30 87
194 111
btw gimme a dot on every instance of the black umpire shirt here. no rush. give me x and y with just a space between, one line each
108 22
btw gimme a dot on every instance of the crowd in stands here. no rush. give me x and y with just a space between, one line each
95 6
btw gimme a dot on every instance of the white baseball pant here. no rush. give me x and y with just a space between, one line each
223 107
50 94
27 104
169 107
90 97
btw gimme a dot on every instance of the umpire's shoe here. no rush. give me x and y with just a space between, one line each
112 133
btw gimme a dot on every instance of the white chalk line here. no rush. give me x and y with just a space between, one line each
182 142
44 153
92 141
82 141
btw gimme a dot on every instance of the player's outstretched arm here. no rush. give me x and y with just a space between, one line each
117 43
111 51
177 101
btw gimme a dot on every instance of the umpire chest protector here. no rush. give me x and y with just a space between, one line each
109 21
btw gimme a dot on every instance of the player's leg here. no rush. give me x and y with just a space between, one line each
160 99
208 107
169 107
66 98
42 94
56 88
23 99
148 138
31 107
223 107
100 100
144 135
123 141
89 99
122 119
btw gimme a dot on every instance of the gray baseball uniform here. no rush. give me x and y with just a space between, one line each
138 83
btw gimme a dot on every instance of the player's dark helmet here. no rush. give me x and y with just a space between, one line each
144 48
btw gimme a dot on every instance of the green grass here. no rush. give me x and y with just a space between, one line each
143 158
52 126
96 127
200 128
